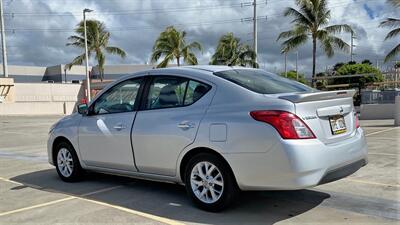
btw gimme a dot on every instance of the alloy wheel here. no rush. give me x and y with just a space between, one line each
65 162
207 182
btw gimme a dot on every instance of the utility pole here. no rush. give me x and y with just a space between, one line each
285 64
86 56
297 65
352 46
3 41
396 74
255 27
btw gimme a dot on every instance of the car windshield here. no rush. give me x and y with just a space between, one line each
262 82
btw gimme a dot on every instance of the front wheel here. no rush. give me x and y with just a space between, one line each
67 163
210 182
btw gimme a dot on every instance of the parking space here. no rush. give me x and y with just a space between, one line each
32 193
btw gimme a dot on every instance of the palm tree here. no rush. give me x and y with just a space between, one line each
230 51
311 20
172 45
97 38
396 3
392 23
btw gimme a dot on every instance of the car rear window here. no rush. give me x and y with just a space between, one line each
262 82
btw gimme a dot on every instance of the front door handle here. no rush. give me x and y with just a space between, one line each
119 126
186 125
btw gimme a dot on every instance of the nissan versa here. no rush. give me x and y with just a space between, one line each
216 129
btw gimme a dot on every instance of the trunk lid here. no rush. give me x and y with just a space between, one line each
324 113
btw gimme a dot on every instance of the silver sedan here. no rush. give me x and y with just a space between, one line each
216 129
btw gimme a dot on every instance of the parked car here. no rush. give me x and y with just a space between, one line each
216 129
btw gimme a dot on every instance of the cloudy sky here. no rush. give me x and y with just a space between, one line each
37 30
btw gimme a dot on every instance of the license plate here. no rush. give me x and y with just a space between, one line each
338 125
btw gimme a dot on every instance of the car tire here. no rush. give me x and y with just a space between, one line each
200 183
67 163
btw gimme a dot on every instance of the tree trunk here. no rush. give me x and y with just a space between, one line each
101 74
177 61
313 82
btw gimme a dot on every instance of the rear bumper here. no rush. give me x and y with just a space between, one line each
342 172
298 164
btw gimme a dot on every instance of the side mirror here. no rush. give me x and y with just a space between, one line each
82 109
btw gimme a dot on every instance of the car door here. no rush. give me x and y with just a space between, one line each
105 133
168 121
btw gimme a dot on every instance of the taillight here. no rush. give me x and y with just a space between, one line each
356 119
288 125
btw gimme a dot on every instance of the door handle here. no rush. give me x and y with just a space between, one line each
186 125
119 126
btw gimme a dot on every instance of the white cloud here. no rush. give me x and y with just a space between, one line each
137 25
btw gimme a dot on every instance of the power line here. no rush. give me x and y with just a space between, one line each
211 22
138 11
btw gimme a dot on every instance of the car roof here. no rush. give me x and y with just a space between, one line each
216 68
200 71
203 69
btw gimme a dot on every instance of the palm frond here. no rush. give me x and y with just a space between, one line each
164 63
116 51
156 55
299 18
297 30
190 59
76 44
392 34
294 42
329 43
326 45
307 3
76 61
393 53
395 3
390 22
334 29
75 38
97 40
195 45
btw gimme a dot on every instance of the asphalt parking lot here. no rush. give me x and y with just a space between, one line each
32 193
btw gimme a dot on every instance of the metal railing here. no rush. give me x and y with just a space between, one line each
379 97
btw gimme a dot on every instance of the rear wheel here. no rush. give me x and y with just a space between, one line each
210 182
67 163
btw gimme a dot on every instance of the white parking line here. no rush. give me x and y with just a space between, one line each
137 213
371 182
13 132
51 202
381 131
37 206
10 181
377 153
81 197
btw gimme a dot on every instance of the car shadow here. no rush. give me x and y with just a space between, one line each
170 200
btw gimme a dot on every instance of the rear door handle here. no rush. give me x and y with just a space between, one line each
186 125
119 126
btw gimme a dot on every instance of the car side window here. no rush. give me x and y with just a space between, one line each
166 92
195 91
118 99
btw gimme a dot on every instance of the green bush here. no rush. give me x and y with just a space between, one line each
292 75
358 68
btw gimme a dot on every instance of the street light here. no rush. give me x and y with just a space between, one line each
86 55
3 41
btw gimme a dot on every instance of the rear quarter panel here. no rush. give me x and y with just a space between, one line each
229 112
